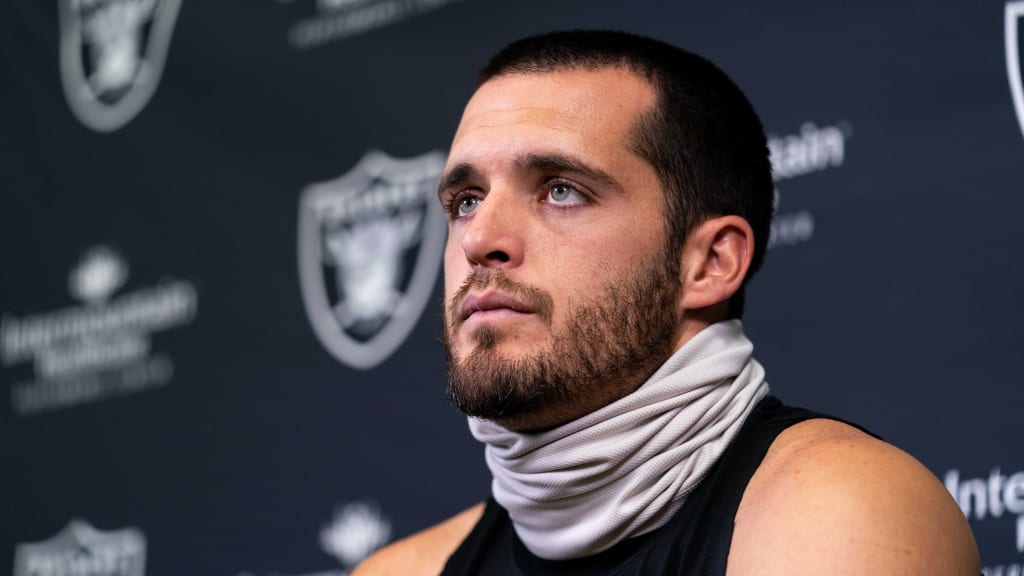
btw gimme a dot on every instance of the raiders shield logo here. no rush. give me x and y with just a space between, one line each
370 245
112 54
81 549
1014 22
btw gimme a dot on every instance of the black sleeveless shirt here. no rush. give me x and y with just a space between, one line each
695 541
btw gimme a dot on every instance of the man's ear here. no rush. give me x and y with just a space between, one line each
716 257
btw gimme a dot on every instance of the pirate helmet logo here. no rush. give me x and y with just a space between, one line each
112 55
370 245
1013 23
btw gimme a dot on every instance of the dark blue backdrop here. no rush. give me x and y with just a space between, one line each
206 374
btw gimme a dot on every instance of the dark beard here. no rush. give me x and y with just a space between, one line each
611 344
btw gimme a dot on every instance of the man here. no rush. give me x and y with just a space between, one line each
608 197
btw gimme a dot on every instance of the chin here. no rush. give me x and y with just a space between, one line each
533 423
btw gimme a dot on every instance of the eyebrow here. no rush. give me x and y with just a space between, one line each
457 176
565 164
464 171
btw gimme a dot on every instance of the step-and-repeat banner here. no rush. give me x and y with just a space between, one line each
220 255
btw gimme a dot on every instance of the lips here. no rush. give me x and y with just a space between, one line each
490 301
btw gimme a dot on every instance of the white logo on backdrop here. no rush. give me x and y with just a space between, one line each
356 531
811 149
98 348
112 55
370 245
100 273
81 550
993 497
1014 17
335 20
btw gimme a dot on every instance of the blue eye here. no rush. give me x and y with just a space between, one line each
565 194
467 205
461 204
560 192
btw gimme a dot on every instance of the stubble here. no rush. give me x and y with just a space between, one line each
606 347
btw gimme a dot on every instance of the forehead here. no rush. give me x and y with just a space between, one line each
590 110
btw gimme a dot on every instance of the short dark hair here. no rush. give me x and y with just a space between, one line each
702 137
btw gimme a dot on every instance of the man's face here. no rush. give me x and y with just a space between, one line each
560 295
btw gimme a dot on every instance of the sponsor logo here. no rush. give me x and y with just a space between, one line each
100 347
1004 570
809 150
81 550
370 245
334 20
112 55
356 531
1013 24
992 498
812 149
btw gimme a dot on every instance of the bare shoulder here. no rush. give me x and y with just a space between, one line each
830 499
424 552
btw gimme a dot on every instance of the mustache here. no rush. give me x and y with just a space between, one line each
536 299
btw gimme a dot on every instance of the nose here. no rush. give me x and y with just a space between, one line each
494 237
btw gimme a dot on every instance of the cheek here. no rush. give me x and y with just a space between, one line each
611 261
612 252
454 270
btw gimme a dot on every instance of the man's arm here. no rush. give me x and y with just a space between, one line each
829 499
425 552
